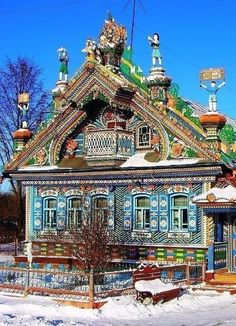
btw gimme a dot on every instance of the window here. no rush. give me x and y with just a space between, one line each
74 212
179 213
142 213
50 210
101 209
144 136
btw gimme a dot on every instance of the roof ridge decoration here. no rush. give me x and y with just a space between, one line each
108 50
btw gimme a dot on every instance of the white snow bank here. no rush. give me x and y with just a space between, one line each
190 309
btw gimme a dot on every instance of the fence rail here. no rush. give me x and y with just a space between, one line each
78 285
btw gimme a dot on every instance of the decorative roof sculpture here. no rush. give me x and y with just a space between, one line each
212 80
23 134
63 58
23 105
113 36
213 76
156 55
93 51
157 81
109 49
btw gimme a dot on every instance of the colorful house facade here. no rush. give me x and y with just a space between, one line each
125 148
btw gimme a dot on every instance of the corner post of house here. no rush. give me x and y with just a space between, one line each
210 268
203 271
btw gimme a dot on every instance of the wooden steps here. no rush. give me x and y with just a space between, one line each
224 281
226 278
223 277
222 271
216 288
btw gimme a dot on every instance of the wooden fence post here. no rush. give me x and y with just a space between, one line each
203 271
91 288
16 246
170 272
27 281
188 272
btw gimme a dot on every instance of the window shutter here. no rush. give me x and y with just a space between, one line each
164 213
192 213
38 216
127 212
154 213
61 213
111 211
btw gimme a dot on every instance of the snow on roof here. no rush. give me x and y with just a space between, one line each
38 168
138 160
153 286
227 194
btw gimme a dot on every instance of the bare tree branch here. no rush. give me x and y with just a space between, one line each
91 243
19 76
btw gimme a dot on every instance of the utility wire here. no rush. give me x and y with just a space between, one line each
48 7
133 19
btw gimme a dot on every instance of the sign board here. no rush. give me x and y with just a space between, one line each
23 98
212 74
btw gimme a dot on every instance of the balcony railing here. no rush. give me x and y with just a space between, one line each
109 144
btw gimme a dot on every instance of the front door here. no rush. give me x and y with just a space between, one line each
234 245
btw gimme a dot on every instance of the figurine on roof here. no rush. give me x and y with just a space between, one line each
63 58
112 43
155 43
112 35
24 108
23 105
93 51
213 89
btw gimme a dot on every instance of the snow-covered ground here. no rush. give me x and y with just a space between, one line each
192 308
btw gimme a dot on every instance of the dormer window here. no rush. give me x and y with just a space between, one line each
144 137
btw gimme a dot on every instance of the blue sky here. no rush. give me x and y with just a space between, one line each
193 34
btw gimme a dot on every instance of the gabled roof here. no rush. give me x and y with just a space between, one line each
96 82
109 78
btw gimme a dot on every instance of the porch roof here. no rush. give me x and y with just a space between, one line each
217 197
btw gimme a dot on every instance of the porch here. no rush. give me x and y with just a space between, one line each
219 205
219 275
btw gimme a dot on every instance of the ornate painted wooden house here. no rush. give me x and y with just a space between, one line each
126 148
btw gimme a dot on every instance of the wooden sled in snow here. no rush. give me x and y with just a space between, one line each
156 291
